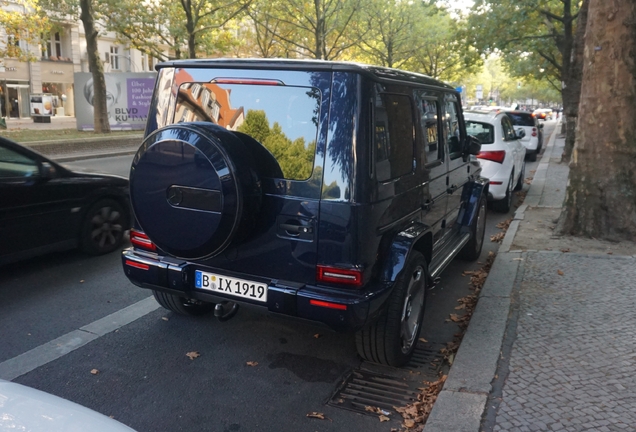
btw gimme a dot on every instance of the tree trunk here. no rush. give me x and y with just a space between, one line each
601 193
100 110
572 91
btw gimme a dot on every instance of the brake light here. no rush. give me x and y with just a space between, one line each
495 156
141 240
328 304
339 275
534 131
246 81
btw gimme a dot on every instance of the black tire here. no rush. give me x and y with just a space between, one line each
103 227
181 305
472 249
519 184
504 205
532 157
391 339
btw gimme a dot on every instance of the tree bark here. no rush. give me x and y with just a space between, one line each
100 110
572 91
601 194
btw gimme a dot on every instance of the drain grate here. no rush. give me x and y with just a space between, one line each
364 388
427 359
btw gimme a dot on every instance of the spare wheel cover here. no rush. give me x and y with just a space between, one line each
185 189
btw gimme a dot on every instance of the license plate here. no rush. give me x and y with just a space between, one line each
229 285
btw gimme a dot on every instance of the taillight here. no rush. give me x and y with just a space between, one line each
338 275
534 131
141 240
495 156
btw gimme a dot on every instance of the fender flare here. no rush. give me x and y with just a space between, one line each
470 197
417 236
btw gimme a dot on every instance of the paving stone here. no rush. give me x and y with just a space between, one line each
572 366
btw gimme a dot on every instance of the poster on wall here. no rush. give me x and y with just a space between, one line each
128 98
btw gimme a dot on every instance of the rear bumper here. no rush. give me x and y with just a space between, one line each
354 308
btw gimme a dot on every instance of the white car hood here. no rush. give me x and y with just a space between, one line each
24 409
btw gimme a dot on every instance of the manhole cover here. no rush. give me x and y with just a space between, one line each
427 359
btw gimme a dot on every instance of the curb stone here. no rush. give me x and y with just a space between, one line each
462 402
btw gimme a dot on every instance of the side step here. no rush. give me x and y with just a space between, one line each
444 256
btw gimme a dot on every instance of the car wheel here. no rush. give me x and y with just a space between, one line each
181 305
504 205
532 157
472 249
103 228
391 339
519 184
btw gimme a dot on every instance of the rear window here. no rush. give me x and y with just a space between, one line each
521 119
484 132
284 119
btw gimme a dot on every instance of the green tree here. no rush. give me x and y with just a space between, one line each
256 125
539 36
322 29
23 22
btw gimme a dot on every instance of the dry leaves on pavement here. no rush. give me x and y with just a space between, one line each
415 414
318 415
94 371
193 354
252 363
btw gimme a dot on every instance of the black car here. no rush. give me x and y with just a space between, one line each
46 207
333 192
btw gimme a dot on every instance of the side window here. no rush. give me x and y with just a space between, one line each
394 138
508 131
434 150
14 165
452 130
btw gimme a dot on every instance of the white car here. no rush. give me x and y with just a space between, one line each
502 155
23 408
533 141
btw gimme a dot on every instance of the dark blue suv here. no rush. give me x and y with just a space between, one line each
333 192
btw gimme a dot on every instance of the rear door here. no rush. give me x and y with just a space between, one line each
286 113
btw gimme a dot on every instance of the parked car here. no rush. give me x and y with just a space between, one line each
46 207
502 155
23 408
333 192
533 139
543 113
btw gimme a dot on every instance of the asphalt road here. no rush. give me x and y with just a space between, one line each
145 379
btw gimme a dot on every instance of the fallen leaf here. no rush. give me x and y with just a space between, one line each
565 250
422 340
317 415
384 418
560 273
610 253
455 318
408 423
193 354
82 281
94 371
340 401
252 363
164 318
317 335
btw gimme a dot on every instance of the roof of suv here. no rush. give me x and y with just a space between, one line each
309 65
484 116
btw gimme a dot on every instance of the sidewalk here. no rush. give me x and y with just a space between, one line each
551 344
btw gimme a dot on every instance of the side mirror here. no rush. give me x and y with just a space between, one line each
473 146
47 171
521 133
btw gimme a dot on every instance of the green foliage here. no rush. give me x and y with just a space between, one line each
22 21
294 157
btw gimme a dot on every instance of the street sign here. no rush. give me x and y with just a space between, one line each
479 94
479 87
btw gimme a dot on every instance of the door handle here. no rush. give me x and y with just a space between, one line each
427 204
296 229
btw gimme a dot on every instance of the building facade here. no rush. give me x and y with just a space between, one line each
58 57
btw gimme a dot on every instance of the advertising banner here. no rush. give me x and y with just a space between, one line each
128 98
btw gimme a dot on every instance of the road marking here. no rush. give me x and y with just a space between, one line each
53 350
